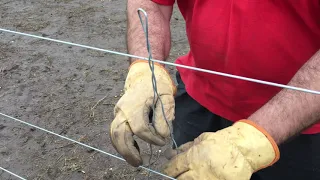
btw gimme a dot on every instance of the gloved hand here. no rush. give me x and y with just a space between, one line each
133 109
233 153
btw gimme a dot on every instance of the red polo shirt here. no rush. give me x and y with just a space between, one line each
267 40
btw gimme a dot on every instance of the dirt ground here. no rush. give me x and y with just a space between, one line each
55 87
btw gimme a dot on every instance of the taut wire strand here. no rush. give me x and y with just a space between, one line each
168 63
80 143
16 175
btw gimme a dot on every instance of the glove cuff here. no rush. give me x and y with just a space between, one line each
145 61
140 69
268 136
260 148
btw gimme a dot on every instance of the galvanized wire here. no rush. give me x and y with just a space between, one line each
156 95
167 63
16 175
80 143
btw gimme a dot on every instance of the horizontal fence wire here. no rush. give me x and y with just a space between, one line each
16 175
166 63
80 143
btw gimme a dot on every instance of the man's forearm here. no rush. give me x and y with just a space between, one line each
158 27
290 111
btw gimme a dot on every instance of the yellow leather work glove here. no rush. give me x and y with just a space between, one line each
233 153
132 111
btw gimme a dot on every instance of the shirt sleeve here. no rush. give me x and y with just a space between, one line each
164 2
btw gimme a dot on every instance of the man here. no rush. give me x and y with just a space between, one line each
227 128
